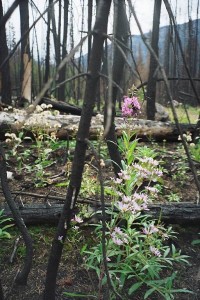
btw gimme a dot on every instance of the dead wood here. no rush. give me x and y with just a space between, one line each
173 213
144 129
63 106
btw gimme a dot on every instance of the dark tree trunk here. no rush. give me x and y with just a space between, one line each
5 83
151 86
22 276
90 5
25 52
173 213
47 56
62 75
171 16
9 12
99 31
121 31
1 291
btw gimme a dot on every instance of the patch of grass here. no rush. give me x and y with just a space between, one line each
193 113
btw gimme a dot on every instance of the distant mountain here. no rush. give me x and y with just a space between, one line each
187 32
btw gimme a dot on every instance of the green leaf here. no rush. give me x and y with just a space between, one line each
149 292
195 242
135 287
79 295
166 252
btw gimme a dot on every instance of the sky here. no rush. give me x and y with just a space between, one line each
143 8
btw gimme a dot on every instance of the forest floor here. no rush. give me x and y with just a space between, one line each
178 185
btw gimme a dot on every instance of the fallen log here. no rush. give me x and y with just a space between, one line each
66 126
184 213
63 106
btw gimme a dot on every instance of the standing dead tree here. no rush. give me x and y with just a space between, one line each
5 70
22 276
120 40
151 86
99 33
26 64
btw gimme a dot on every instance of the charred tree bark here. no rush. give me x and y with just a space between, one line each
9 12
1 291
173 213
171 16
151 86
47 56
62 75
26 65
90 6
99 32
121 30
5 70
22 276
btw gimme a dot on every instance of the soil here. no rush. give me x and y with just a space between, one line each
72 276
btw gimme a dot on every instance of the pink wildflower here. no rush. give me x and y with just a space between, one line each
151 189
155 251
119 237
78 219
130 107
151 229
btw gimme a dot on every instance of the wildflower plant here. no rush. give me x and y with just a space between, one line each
137 254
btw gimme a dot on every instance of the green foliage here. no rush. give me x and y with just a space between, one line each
136 251
182 117
4 234
196 242
195 150
80 295
173 197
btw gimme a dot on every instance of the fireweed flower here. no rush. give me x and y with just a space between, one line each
78 219
155 251
119 237
151 189
130 107
60 238
124 175
133 204
150 229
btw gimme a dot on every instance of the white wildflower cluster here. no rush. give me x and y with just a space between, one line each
133 204
150 229
187 137
147 168
12 138
119 237
155 251
40 117
9 109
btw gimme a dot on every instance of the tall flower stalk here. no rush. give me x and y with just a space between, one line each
136 249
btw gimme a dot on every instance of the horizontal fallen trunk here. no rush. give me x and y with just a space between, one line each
67 126
173 213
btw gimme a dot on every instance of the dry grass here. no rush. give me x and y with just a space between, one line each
193 113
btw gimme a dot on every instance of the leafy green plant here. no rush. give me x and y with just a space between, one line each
173 197
136 252
196 242
195 150
3 228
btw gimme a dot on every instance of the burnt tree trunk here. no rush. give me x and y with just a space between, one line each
151 86
174 213
47 55
90 6
62 75
121 35
99 32
1 291
26 64
5 82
